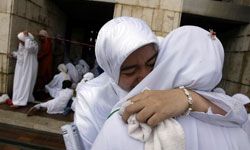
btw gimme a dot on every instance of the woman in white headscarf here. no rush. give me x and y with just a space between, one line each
183 60
55 85
25 70
73 73
116 40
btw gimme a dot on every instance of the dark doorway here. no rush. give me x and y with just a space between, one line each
85 18
220 26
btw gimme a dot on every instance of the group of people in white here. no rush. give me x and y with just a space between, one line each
154 94
60 88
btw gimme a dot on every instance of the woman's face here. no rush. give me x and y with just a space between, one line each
137 66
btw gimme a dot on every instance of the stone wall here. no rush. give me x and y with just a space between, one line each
236 72
20 15
162 15
5 21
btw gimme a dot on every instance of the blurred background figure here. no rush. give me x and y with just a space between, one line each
44 61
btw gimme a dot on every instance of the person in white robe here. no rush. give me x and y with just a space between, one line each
25 70
246 102
183 60
73 73
56 105
82 67
116 40
86 78
55 85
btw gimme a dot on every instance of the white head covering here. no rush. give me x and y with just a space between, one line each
43 33
62 68
73 73
117 39
85 66
22 37
88 76
189 57
242 98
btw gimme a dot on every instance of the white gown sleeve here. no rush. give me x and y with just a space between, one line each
84 120
236 114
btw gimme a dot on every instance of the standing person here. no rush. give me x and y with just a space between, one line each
25 70
157 122
116 40
44 60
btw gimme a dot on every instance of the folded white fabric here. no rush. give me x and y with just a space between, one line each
168 135
3 98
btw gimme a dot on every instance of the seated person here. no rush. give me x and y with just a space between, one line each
56 105
73 73
55 85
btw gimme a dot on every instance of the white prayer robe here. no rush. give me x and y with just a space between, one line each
96 98
25 72
92 107
181 63
73 73
55 85
57 105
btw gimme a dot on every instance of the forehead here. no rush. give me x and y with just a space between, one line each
143 53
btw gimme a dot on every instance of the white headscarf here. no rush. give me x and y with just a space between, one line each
195 62
22 37
62 68
242 98
73 73
43 33
183 59
84 65
88 76
117 39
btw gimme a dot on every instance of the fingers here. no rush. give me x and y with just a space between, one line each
144 115
154 120
131 109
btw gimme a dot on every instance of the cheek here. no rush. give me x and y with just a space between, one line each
126 82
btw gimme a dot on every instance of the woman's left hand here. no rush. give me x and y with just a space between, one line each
154 106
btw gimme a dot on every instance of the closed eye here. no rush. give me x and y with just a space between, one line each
128 70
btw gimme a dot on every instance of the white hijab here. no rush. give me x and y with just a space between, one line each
176 66
22 37
117 39
62 68
188 57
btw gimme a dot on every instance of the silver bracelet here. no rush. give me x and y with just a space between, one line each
189 100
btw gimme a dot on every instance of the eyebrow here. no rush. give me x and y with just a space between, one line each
132 66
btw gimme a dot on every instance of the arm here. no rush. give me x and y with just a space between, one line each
155 106
31 46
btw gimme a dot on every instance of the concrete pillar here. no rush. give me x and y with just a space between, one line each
236 72
161 15
5 20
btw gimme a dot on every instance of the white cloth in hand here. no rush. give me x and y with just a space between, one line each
167 135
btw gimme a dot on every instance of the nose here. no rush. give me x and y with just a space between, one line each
143 72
